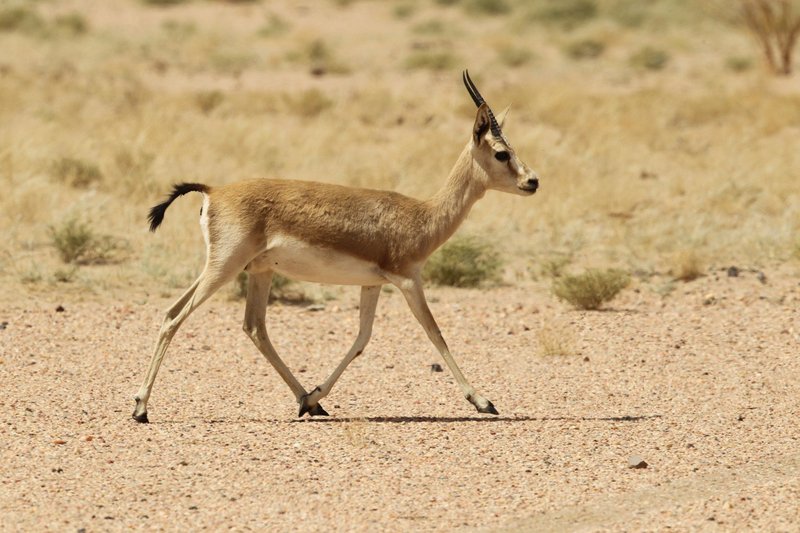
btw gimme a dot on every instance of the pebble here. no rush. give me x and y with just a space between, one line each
636 462
436 367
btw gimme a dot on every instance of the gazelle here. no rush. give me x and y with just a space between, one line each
342 235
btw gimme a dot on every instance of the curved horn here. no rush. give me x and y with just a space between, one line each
478 99
473 91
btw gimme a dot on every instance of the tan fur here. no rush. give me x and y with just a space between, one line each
334 234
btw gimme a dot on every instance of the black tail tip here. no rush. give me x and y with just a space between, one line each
156 215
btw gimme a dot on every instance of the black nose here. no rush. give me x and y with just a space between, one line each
532 184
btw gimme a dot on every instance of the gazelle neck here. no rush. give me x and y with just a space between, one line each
452 203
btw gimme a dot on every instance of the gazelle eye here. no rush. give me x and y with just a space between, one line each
502 156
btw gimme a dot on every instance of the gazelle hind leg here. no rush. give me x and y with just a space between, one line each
369 301
214 276
412 290
255 326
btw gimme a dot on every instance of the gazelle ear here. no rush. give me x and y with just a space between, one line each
501 118
482 124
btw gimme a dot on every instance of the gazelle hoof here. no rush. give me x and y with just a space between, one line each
489 409
314 410
141 418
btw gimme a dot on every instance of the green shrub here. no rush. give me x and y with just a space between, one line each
464 262
568 13
585 49
77 243
76 172
650 58
591 289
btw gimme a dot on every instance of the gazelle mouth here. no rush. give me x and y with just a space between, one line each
531 189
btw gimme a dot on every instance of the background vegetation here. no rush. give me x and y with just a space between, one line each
656 128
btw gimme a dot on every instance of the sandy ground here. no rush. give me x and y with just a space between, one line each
703 384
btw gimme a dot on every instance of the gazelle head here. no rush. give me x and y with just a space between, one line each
491 150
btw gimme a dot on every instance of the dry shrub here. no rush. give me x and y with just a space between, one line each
160 3
650 58
776 27
464 262
591 289
71 24
585 49
77 243
514 56
308 103
282 290
76 172
567 13
687 266
738 63
554 339
207 101
487 7
554 267
319 57
273 26
431 60
21 19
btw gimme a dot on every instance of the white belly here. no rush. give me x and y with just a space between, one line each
301 261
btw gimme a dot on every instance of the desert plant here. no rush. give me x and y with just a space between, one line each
585 49
738 63
488 7
75 172
687 266
776 26
71 24
464 262
162 2
282 289
591 289
514 56
567 13
20 19
404 10
650 58
273 27
308 103
431 60
77 243
429 27
555 339
207 101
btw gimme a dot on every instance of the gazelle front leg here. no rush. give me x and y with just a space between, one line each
412 290
369 301
255 326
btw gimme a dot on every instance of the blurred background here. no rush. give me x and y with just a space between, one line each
666 133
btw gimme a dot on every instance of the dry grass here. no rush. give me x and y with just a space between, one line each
591 289
687 265
555 338
634 163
